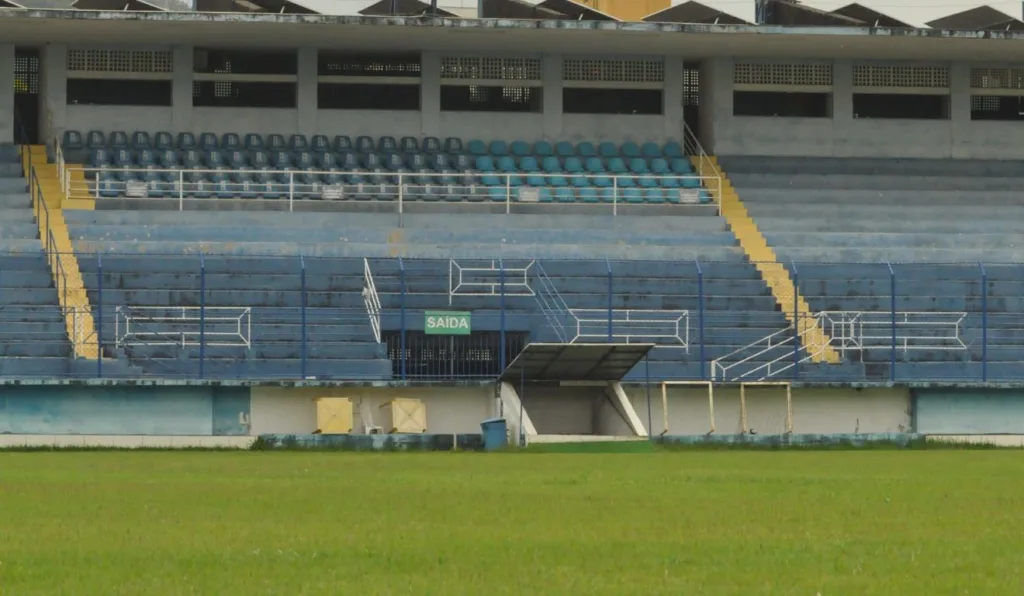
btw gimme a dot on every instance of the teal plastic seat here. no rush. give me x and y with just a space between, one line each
162 141
387 145
654 195
629 150
476 147
543 149
594 165
607 149
632 195
586 149
520 148
95 139
588 195
507 164
364 144
431 145
253 142
275 142
551 165
680 166
565 195
72 140
659 166
485 163
573 165
118 140
564 149
672 150
343 143
691 182
617 166
529 164
650 150
453 145
638 165
298 143
669 181
409 145
186 141
498 148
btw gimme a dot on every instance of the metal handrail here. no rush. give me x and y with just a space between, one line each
677 321
371 299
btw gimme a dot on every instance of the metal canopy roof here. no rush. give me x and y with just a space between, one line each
575 362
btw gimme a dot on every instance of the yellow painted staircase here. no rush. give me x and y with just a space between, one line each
753 242
47 199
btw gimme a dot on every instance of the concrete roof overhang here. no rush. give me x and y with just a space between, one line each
110 28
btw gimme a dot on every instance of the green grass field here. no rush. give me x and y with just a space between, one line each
891 523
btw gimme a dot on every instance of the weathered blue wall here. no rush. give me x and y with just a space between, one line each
124 410
969 411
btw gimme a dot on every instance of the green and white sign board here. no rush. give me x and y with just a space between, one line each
440 322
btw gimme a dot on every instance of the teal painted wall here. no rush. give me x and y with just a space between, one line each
969 411
124 410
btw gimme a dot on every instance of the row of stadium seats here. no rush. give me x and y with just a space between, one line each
73 143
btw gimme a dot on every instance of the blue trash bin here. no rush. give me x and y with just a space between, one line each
495 433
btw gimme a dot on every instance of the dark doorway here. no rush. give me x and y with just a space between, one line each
691 97
26 96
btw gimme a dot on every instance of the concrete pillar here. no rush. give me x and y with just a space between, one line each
53 91
181 89
430 95
842 94
551 80
716 119
306 101
672 97
960 110
7 132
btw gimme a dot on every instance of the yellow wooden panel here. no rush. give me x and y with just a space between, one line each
404 415
334 415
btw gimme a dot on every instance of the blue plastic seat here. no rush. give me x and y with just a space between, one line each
629 150
123 157
224 188
141 140
672 150
416 161
343 143
579 181
118 139
536 181
485 163
573 165
646 181
281 160
625 182
690 182
372 161
305 160
650 150
94 139
680 166
216 159
186 141
230 141
208 141
320 144
364 144
409 145
498 148
393 162
565 195
507 164
602 181
520 148
253 142
192 158
588 195
163 141
594 165
564 149
72 140
298 143
439 162
529 164
631 195
654 195
637 165
431 145
387 145
462 163
607 149
476 147
659 166
169 159
551 165
669 181
452 145
586 149
127 172
349 162
145 157
238 159
275 142
543 149
99 157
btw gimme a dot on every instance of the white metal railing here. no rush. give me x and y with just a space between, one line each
692 146
62 174
183 326
666 328
511 189
81 335
763 358
487 280
371 299
907 331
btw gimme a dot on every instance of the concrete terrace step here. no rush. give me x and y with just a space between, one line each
468 251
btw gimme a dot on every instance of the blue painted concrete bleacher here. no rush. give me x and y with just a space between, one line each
936 221
33 340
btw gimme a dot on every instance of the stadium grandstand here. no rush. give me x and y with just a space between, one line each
403 193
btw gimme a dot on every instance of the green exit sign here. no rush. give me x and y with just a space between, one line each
439 322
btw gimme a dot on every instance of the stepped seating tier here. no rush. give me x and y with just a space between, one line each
935 221
383 169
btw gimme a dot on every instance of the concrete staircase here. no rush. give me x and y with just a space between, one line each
753 242
48 196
